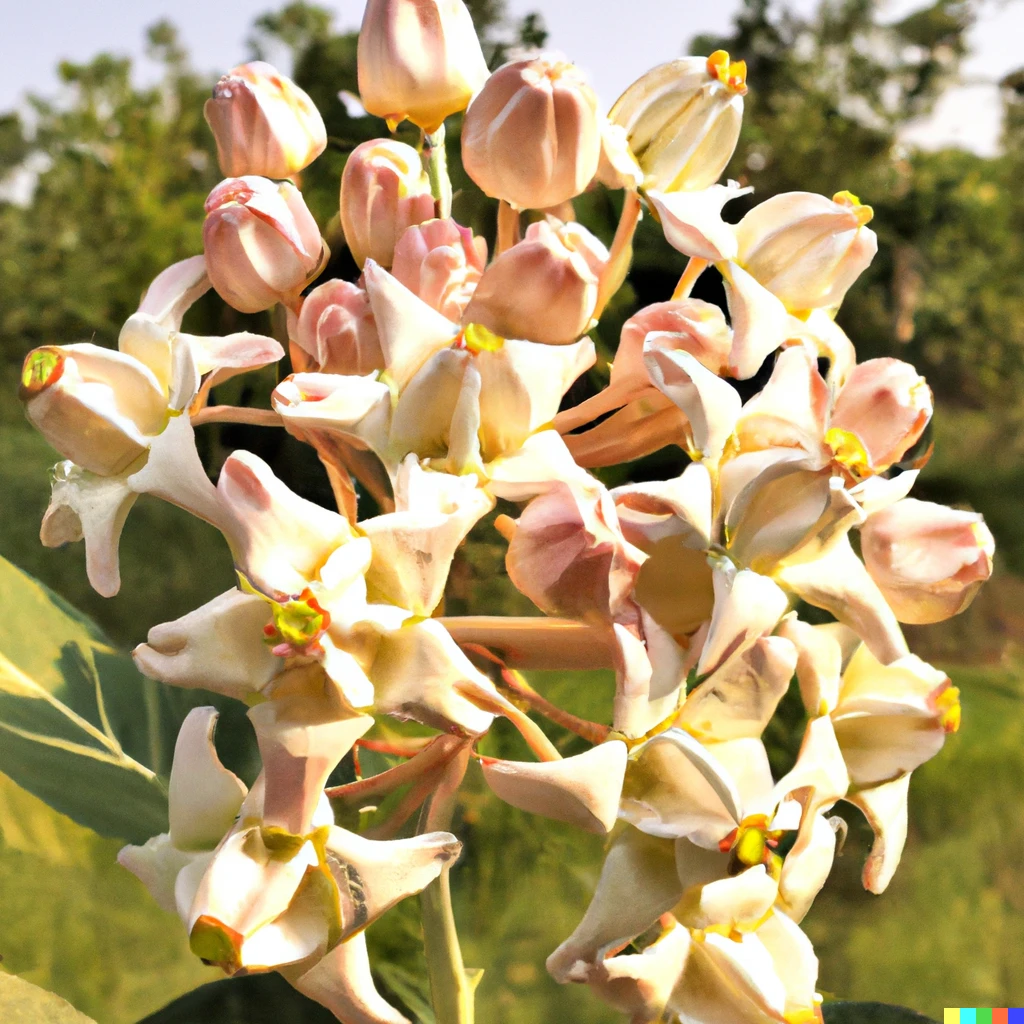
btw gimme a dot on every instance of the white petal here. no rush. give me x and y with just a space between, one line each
742 900
174 290
807 866
819 776
157 865
541 461
692 221
885 807
760 322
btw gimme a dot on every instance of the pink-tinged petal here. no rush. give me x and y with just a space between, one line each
638 884
94 508
739 699
203 796
373 875
928 560
879 492
807 866
300 744
885 807
157 865
410 331
218 647
582 790
709 403
733 903
420 673
234 353
174 290
279 540
692 221
649 512
838 582
568 554
676 788
821 656
819 778
413 547
792 408
534 468
747 606
640 984
760 322
342 982
336 328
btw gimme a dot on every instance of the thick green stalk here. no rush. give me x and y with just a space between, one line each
437 172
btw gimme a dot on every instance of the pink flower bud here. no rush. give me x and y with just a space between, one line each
418 59
533 135
928 560
263 123
262 244
336 327
805 248
886 404
568 554
384 190
690 325
542 289
441 262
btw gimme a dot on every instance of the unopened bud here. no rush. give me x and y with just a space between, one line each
928 560
886 404
384 190
263 123
533 135
805 248
336 327
418 59
543 288
682 120
441 262
262 244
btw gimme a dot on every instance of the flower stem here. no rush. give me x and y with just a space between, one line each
237 414
621 253
452 987
534 641
437 172
508 228
693 270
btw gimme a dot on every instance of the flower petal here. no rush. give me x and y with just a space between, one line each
885 807
692 221
174 290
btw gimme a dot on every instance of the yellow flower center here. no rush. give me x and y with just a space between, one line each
732 74
299 622
43 368
860 211
849 452
478 338
947 707
753 842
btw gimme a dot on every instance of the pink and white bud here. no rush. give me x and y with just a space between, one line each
532 136
887 404
336 327
97 407
263 123
262 244
544 288
384 190
928 560
441 262
805 248
682 120
418 59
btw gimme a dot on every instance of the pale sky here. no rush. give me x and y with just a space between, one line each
594 33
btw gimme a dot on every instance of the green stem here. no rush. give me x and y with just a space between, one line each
452 987
437 172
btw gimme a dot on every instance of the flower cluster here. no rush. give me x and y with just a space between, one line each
435 383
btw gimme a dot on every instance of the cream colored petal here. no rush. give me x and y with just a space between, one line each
839 583
582 790
819 662
663 508
879 492
638 884
885 807
807 866
373 875
157 865
692 221
410 331
732 903
464 453
760 322
299 935
879 747
819 778
739 699
342 982
542 460
218 647
174 290
83 505
675 787
744 762
709 403
203 796
747 606
794 960
423 415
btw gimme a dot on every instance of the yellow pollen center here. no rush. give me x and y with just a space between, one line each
478 338
753 843
732 74
860 211
849 452
300 622
947 705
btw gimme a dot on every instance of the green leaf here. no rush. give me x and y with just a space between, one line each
80 727
871 1013
24 1003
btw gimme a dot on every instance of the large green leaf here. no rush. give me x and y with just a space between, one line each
871 1013
24 1003
79 726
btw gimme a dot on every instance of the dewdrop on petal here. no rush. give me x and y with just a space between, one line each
682 120
532 136
418 59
